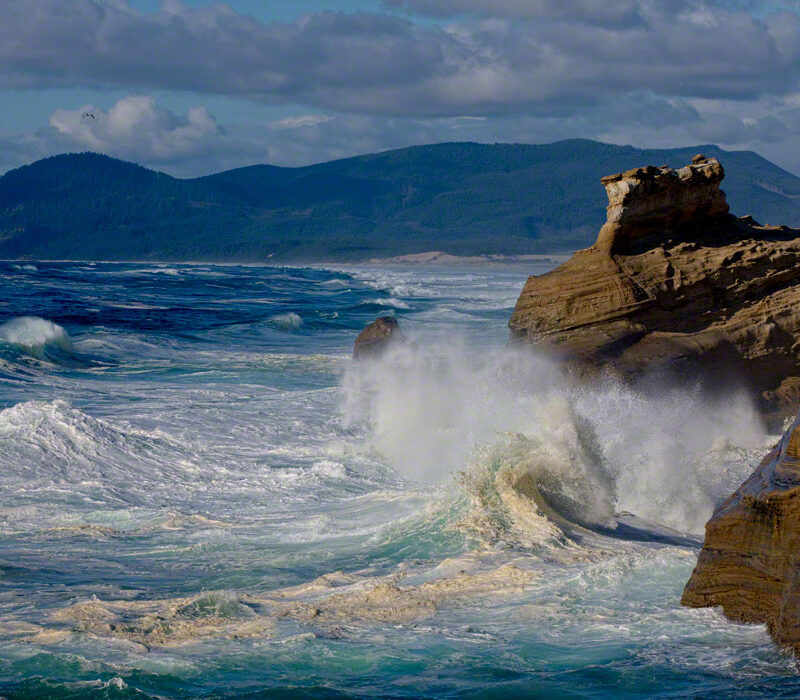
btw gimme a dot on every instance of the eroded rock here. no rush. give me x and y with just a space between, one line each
750 561
647 201
675 281
377 336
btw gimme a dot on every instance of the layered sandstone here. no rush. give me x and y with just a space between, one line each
377 336
675 281
750 561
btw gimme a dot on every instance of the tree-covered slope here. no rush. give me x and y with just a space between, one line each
462 198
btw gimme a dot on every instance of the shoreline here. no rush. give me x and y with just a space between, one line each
441 258
433 257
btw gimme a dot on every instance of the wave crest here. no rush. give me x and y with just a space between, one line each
36 337
288 322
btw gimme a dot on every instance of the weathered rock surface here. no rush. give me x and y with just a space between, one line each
750 561
647 201
377 336
675 281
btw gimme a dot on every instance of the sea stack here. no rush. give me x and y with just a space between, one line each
377 337
750 561
675 283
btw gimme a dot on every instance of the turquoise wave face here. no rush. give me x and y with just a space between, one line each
201 495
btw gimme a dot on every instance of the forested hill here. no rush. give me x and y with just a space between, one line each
461 198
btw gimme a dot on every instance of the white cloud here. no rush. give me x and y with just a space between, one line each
300 122
137 128
541 57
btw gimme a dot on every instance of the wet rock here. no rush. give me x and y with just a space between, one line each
750 561
377 336
675 281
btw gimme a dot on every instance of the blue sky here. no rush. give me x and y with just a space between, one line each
192 87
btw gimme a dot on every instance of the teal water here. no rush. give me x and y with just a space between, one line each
201 495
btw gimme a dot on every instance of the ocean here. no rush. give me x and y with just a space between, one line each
203 496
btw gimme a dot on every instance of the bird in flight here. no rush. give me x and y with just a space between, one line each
87 115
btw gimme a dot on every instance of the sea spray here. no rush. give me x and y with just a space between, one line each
663 456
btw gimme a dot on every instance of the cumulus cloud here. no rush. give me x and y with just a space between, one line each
543 57
137 128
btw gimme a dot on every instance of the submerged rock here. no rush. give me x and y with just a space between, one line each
750 561
377 336
674 281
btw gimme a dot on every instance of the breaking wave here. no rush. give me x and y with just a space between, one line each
288 321
391 302
581 454
36 337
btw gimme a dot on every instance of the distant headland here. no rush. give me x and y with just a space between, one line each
459 199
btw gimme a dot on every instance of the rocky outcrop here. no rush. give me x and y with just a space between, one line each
675 282
377 336
750 561
649 201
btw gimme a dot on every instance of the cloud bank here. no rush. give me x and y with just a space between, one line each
648 72
533 56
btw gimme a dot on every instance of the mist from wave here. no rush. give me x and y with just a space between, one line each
669 456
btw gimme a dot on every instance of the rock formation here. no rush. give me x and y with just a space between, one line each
377 336
675 281
750 561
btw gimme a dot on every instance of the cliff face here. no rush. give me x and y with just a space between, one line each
750 561
675 281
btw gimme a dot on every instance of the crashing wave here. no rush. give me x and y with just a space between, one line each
530 492
36 337
584 452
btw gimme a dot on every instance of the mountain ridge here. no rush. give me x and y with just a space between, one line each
463 198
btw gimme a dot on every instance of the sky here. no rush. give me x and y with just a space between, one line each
192 87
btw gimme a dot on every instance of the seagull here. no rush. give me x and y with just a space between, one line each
87 115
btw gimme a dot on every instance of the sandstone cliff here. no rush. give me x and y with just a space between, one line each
675 281
750 561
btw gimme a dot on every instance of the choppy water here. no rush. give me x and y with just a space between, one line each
202 496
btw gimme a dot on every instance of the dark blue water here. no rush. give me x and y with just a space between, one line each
201 495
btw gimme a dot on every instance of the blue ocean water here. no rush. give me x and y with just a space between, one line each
202 495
